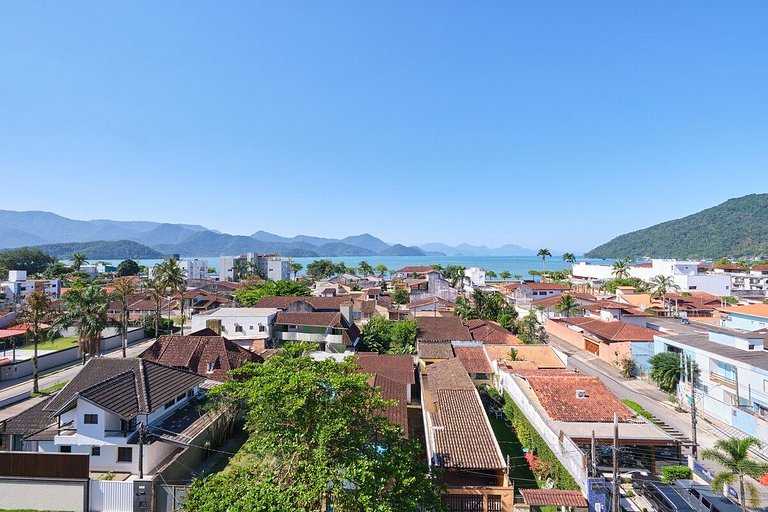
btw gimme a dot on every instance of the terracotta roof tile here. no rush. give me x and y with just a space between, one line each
435 350
553 498
441 329
317 303
558 397
488 331
399 368
474 359
611 331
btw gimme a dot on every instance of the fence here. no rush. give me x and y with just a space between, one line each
170 498
107 496
43 481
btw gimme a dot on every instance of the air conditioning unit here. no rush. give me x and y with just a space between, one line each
581 393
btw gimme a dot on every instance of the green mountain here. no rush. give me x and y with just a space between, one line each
737 228
101 250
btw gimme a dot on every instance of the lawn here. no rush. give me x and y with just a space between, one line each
57 344
510 446
49 390
638 409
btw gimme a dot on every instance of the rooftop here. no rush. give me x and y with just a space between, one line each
230 312
611 331
441 329
760 310
474 359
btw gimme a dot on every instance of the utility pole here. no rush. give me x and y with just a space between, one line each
593 458
141 450
616 483
692 380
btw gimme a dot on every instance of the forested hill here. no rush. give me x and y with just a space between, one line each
101 250
737 228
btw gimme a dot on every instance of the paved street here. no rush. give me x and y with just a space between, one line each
10 388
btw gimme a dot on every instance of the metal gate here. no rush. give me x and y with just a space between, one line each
107 496
170 498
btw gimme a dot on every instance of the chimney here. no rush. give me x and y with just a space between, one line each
214 324
346 311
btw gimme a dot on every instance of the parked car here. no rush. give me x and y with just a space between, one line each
664 497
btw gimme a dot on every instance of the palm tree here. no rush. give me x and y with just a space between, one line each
365 268
569 257
518 277
36 312
457 277
157 292
85 308
490 274
661 285
505 274
381 270
124 288
78 260
543 254
620 269
296 268
732 455
567 305
667 370
172 276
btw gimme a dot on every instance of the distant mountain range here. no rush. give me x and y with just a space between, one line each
737 228
110 239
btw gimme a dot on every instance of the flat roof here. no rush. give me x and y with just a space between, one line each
240 312
757 358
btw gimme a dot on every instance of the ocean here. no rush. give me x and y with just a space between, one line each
515 265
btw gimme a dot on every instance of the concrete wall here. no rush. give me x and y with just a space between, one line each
43 494
23 369
564 333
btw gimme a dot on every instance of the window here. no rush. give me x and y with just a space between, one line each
168 405
190 393
65 449
91 419
238 328
262 328
96 451
209 367
181 397
250 327
691 287
125 455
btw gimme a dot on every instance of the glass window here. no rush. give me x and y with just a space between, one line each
65 449
91 419
124 454
96 451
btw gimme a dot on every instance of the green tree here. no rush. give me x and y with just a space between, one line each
85 309
382 335
400 296
317 436
505 275
490 274
365 268
78 260
463 308
57 271
247 296
661 285
128 268
530 330
33 261
667 370
157 293
543 254
455 274
381 270
37 311
569 257
322 269
172 276
732 454
567 305
296 267
403 337
620 269
124 289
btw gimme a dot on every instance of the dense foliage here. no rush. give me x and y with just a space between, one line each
316 437
128 268
250 295
667 370
548 466
486 306
323 269
381 335
737 228
400 296
31 259
530 330
102 249
670 473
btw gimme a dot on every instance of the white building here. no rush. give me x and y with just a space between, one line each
241 325
271 266
476 276
733 381
684 273
17 287
194 269
102 411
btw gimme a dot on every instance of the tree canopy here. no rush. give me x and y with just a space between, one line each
128 268
247 296
323 268
34 261
317 436
382 335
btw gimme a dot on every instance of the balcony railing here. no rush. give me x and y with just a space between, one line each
722 379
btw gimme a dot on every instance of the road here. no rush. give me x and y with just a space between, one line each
49 378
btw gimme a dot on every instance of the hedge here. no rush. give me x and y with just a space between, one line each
669 473
529 438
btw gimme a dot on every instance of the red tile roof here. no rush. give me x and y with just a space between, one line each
558 397
611 331
474 359
309 319
441 329
399 368
553 498
397 413
317 303
545 286
490 332
418 269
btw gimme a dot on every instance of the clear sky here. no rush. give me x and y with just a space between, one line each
557 124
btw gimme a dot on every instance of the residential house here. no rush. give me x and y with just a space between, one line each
245 326
106 409
475 360
460 441
430 306
211 357
394 375
490 332
733 380
441 329
527 292
412 271
528 357
333 332
566 407
693 304
548 306
751 317
271 266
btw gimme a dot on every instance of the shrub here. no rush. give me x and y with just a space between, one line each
669 473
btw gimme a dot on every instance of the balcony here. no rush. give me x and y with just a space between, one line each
333 339
722 380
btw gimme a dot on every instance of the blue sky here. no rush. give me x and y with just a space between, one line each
558 124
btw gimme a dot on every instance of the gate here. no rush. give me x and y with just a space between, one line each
170 498
107 496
